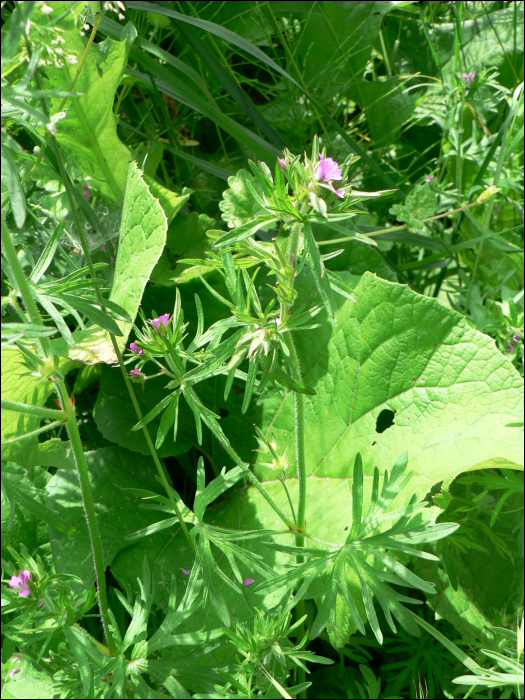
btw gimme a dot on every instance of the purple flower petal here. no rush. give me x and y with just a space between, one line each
429 178
14 671
282 163
16 659
161 319
327 169
248 581
135 348
515 339
86 192
136 372
340 193
186 572
103 247
41 603
20 580
472 75
511 348
24 592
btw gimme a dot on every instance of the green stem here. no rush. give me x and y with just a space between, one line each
255 482
89 510
151 446
74 436
399 228
33 433
300 455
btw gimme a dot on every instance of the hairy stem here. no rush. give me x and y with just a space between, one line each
89 510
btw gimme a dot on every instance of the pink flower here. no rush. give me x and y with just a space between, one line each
14 671
186 572
86 193
511 350
282 163
103 247
41 603
161 319
20 581
248 581
429 178
136 372
469 77
135 348
515 339
328 170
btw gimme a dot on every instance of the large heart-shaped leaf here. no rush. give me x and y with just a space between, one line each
450 393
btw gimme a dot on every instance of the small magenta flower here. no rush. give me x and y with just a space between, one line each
515 339
282 163
186 572
429 178
14 671
136 372
328 170
41 603
103 247
511 350
161 319
469 77
248 581
135 348
86 192
20 581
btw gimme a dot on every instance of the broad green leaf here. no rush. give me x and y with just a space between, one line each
52 453
88 131
115 416
31 682
186 239
170 201
386 104
451 391
111 471
141 241
25 389
482 590
335 41
498 44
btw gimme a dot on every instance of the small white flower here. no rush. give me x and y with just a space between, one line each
72 58
51 128
46 9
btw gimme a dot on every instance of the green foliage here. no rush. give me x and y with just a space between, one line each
321 405
420 204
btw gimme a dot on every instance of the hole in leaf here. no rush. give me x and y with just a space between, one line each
224 413
385 420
